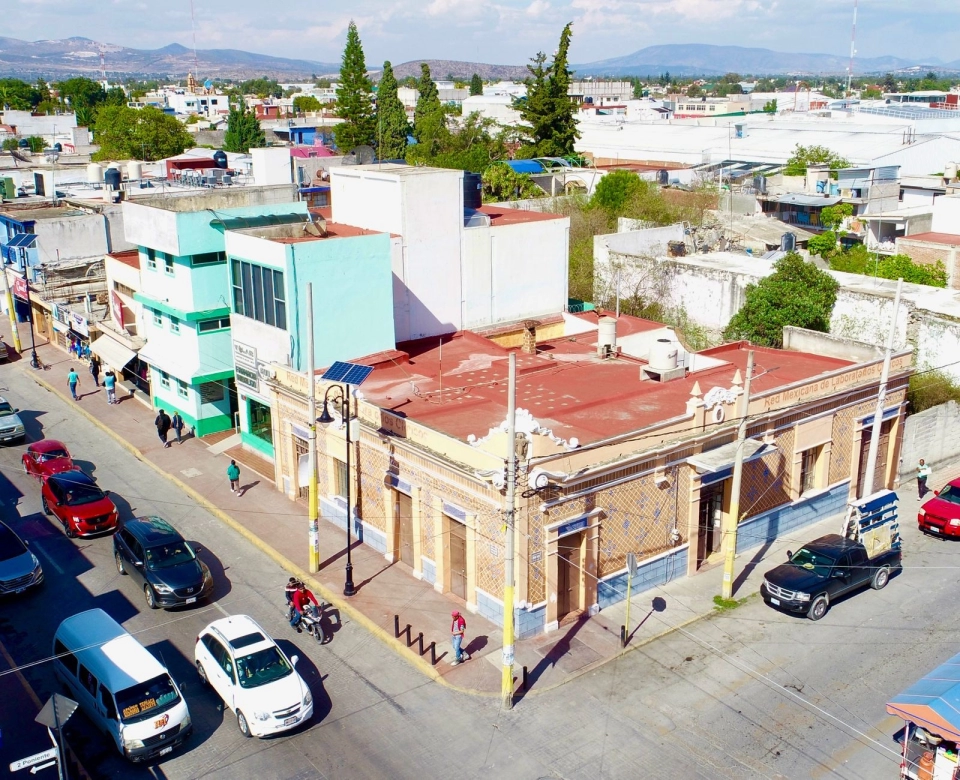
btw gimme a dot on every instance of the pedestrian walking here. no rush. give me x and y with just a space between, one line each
457 630
233 474
163 427
95 370
73 380
923 473
110 385
177 424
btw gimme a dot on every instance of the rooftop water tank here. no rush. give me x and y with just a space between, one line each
220 158
607 337
788 242
950 171
663 355
112 178
134 170
472 190
663 177
58 147
94 173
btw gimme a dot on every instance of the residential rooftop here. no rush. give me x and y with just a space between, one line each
949 239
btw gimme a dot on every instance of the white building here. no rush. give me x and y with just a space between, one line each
497 107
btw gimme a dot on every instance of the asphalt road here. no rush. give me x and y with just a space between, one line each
748 693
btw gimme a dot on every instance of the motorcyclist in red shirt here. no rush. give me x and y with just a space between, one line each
301 598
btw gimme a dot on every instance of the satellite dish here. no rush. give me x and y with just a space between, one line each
361 155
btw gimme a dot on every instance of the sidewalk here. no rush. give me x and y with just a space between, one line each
278 527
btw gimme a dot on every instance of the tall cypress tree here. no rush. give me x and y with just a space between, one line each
476 85
429 118
243 128
563 123
354 97
392 125
535 110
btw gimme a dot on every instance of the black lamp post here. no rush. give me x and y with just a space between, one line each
34 360
326 418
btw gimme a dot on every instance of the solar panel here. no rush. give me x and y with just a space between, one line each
23 239
348 373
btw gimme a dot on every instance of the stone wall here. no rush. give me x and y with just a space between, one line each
934 435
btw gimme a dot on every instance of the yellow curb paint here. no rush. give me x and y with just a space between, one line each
354 614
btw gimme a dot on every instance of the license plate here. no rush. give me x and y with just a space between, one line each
290 721
775 601
191 600
930 528
165 751
20 590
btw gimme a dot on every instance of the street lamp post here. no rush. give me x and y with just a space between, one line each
326 418
34 360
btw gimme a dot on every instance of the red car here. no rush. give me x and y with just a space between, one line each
78 503
47 457
941 514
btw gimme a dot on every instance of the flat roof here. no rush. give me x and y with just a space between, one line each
564 386
504 216
950 239
129 257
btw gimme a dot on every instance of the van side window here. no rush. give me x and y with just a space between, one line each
109 708
88 681
68 659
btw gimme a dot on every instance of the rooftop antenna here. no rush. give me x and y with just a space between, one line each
103 66
853 46
193 28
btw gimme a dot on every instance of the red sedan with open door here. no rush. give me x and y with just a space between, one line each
47 457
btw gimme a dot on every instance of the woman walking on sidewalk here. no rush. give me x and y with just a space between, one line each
95 370
177 424
233 474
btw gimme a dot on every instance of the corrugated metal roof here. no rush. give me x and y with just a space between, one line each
801 199
933 701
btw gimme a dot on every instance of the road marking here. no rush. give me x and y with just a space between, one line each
222 610
191 472
23 680
46 556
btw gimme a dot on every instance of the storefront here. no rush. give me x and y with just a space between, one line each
120 354
931 737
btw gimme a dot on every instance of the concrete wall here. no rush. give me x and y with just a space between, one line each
934 435
929 253
69 237
946 214
613 252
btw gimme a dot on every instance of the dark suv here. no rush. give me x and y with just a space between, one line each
162 562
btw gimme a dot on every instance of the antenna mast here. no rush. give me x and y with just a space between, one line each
103 66
193 27
853 46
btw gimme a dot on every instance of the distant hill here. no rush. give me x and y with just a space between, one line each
699 58
81 56
441 69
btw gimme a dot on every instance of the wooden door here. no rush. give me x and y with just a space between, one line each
301 448
879 476
711 520
404 515
568 575
458 559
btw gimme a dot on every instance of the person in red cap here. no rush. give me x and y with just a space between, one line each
457 630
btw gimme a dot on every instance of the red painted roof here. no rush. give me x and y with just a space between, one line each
565 386
951 239
502 216
334 230
129 257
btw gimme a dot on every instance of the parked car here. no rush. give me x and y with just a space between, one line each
76 500
11 426
4 355
162 563
240 661
822 571
19 568
941 514
47 457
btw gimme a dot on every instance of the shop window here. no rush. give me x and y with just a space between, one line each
168 264
182 388
340 475
175 324
260 421
808 470
157 318
210 392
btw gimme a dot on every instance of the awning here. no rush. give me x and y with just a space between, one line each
112 352
717 464
933 702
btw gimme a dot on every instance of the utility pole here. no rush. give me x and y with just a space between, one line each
506 688
733 519
13 315
871 470
313 511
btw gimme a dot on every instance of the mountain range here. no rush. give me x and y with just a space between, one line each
81 56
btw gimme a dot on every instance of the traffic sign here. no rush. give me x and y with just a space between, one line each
56 711
632 564
36 758
38 767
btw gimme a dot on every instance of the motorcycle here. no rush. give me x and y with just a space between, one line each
311 621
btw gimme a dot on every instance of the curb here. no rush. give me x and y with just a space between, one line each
355 615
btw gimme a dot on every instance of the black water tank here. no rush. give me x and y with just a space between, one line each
788 242
57 148
663 178
220 158
112 178
472 190
23 143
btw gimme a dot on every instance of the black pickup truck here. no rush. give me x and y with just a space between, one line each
824 570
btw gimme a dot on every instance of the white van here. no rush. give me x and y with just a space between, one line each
121 687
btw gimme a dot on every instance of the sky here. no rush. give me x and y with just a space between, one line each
497 31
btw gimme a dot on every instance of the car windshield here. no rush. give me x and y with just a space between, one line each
262 667
5 409
10 544
816 562
49 455
951 494
163 556
148 699
82 494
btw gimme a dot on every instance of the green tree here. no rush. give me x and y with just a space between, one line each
476 85
115 97
831 217
10 144
81 92
797 293
694 90
858 260
243 129
535 108
17 95
805 156
428 105
823 245
563 123
304 103
148 134
354 97
615 190
770 107
261 87
501 182
392 125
